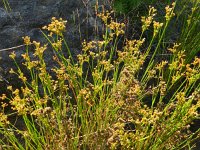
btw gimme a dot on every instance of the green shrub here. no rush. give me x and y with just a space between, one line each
125 6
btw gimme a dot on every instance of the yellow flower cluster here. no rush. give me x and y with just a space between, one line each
12 55
41 111
86 95
115 27
133 46
88 45
107 65
118 28
21 105
156 26
3 119
169 11
39 50
175 48
57 26
161 65
146 21
105 16
27 40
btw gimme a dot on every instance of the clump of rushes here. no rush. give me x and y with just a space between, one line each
97 100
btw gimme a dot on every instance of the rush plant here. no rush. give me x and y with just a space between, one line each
106 97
